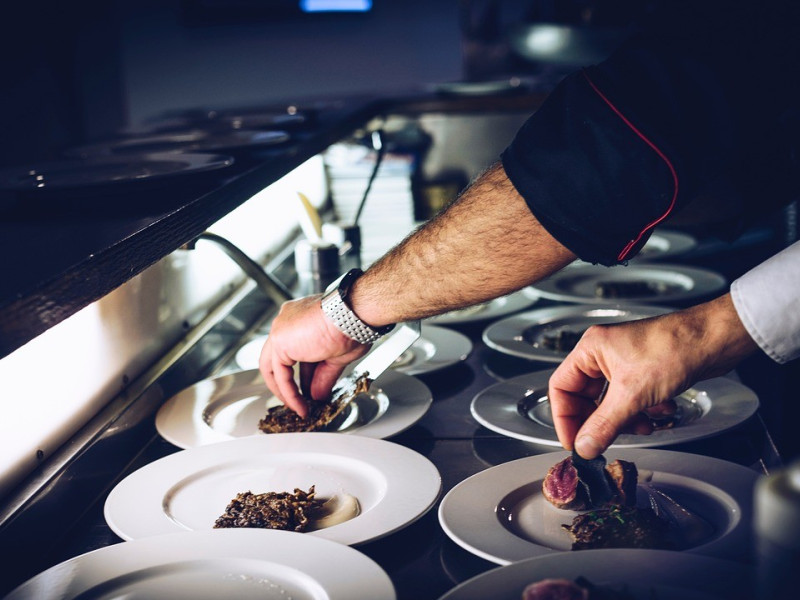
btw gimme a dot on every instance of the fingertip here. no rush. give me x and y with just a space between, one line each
588 447
298 405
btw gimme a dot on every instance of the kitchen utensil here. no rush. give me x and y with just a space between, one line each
310 221
693 527
380 148
378 360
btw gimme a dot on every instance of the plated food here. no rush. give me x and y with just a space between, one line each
519 408
391 485
299 511
577 484
549 334
605 496
321 415
640 283
246 564
235 405
501 514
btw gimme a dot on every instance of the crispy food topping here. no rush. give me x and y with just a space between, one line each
272 510
280 419
619 527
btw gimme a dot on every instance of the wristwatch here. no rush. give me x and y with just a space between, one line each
335 307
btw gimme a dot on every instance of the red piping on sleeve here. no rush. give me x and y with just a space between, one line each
630 245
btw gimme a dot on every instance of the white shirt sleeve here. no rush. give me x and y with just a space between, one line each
767 300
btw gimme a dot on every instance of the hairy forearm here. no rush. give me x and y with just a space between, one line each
715 336
484 245
646 362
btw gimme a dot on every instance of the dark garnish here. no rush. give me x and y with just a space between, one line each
592 475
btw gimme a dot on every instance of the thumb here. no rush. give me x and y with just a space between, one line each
602 427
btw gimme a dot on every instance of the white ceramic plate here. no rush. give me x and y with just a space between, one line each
645 574
198 140
210 565
247 356
479 88
436 348
230 406
518 408
666 244
188 490
661 245
499 307
107 171
679 283
525 334
501 515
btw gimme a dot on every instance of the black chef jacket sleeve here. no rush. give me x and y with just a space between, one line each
703 98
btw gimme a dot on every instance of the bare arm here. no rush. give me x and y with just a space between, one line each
646 363
485 245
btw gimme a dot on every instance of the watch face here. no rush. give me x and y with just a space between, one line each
347 281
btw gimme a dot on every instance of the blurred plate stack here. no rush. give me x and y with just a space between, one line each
212 119
388 213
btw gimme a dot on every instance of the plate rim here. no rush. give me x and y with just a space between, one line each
706 282
482 510
127 146
288 549
415 395
515 301
198 162
664 437
736 574
152 482
498 329
680 243
461 347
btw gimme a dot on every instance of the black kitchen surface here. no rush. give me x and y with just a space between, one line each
423 563
65 248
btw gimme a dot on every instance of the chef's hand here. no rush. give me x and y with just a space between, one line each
647 363
301 333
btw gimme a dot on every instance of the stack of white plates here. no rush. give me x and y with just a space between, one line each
388 214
